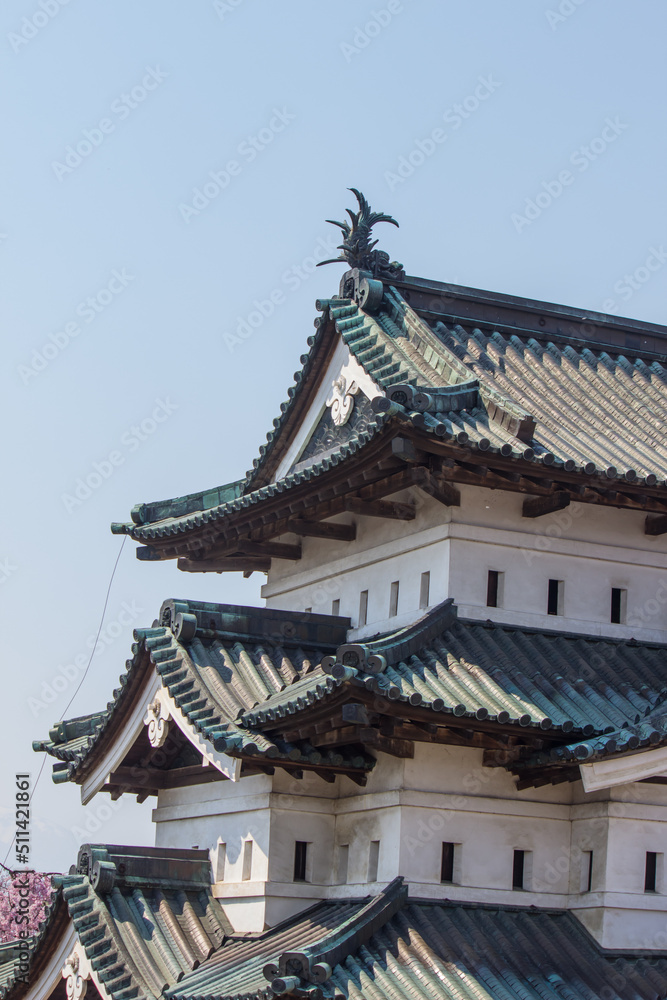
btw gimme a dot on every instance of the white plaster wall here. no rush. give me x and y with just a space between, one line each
411 806
591 549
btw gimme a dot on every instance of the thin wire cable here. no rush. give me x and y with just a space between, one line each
85 673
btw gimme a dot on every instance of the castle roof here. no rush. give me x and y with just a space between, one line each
271 688
467 387
146 925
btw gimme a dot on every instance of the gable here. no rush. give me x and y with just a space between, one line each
340 409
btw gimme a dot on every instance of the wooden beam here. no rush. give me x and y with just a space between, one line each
656 525
404 449
154 778
322 529
438 488
401 480
387 744
500 758
380 508
539 506
240 564
334 736
328 776
274 550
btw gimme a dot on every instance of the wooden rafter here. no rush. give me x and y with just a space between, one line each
274 550
656 525
539 506
323 529
387 468
380 508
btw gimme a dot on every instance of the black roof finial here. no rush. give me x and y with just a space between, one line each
358 248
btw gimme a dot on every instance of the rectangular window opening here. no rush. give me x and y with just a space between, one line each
220 857
373 858
587 871
393 599
335 607
518 869
343 862
447 864
424 589
555 598
618 605
651 871
247 861
300 858
494 589
363 608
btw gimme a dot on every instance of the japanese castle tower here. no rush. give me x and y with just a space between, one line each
434 764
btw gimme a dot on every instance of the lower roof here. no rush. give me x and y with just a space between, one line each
149 934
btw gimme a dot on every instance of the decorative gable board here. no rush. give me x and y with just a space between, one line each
318 434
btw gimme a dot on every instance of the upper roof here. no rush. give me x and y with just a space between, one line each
512 393
147 936
280 688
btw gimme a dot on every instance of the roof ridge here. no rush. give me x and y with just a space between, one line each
398 645
294 970
489 623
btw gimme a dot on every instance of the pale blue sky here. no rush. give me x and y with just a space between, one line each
306 102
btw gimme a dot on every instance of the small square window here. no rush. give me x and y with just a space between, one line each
363 608
373 859
586 871
447 863
555 597
393 599
300 859
522 870
343 863
335 607
651 872
494 589
247 861
219 861
618 605
424 589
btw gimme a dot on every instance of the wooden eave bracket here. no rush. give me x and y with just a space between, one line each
323 529
539 506
656 525
380 508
